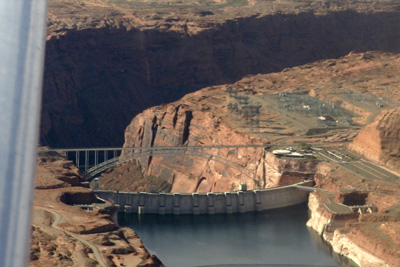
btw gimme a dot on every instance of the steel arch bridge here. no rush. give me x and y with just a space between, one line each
94 161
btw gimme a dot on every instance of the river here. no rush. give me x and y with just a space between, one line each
271 238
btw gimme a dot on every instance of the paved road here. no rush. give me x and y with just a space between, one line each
358 165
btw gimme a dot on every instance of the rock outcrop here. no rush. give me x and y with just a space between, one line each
366 239
202 119
206 118
63 234
105 62
379 141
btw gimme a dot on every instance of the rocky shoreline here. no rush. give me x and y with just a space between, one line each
326 226
360 237
71 227
107 62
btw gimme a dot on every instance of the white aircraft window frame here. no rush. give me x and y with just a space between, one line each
22 44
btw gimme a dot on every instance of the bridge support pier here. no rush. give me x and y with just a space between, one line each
86 160
96 157
77 159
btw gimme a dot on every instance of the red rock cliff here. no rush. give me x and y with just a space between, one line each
379 141
201 118
105 64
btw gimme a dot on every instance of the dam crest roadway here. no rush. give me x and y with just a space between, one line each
98 160
93 161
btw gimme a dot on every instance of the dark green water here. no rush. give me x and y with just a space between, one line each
272 238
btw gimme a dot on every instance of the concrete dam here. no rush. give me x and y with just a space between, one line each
208 203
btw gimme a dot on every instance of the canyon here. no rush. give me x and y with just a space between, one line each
378 140
105 64
204 118
130 73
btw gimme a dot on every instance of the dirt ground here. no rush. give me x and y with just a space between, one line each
67 235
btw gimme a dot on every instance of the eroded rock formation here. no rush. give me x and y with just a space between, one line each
379 141
205 118
367 239
201 119
106 63
63 234
347 231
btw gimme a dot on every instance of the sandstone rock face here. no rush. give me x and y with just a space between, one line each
320 218
370 239
200 119
66 235
379 141
203 118
105 64
342 243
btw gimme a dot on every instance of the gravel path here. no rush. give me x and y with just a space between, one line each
58 218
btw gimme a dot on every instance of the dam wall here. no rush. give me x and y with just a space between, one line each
207 203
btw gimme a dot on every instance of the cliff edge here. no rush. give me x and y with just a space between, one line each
379 141
71 227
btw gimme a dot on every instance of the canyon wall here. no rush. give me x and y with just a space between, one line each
366 239
101 72
201 119
379 141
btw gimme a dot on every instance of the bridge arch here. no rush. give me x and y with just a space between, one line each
92 172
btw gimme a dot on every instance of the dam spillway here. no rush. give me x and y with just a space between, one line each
207 203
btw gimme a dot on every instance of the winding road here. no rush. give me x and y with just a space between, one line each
58 218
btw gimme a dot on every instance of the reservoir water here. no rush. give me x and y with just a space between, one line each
272 238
